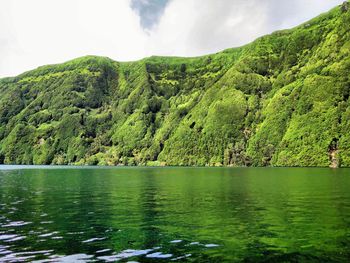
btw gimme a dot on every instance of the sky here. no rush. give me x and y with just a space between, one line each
40 32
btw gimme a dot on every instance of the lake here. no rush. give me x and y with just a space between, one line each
67 214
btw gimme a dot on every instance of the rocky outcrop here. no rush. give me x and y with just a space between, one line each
345 7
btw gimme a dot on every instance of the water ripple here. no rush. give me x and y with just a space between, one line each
159 255
94 239
16 224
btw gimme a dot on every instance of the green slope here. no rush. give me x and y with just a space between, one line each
282 100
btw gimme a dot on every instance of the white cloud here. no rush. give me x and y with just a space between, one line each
52 31
37 32
196 27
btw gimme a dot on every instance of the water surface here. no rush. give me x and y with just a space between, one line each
66 214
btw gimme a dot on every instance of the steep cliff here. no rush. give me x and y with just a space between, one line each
282 100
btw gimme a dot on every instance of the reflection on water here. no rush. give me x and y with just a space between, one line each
174 214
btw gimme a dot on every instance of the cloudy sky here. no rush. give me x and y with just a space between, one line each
38 32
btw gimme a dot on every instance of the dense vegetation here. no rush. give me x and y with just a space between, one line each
282 100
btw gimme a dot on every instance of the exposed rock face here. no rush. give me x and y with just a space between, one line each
345 6
334 160
333 154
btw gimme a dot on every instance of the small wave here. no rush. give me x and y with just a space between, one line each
125 254
16 224
16 239
132 253
5 237
182 257
176 241
41 252
56 238
159 255
46 222
211 245
14 258
103 251
69 258
94 239
49 234
11 238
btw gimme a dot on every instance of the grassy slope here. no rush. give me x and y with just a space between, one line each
282 100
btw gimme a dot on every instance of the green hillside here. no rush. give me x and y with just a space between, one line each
282 100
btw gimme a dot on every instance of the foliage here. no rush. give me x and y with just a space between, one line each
282 100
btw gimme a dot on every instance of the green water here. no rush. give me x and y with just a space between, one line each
174 214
